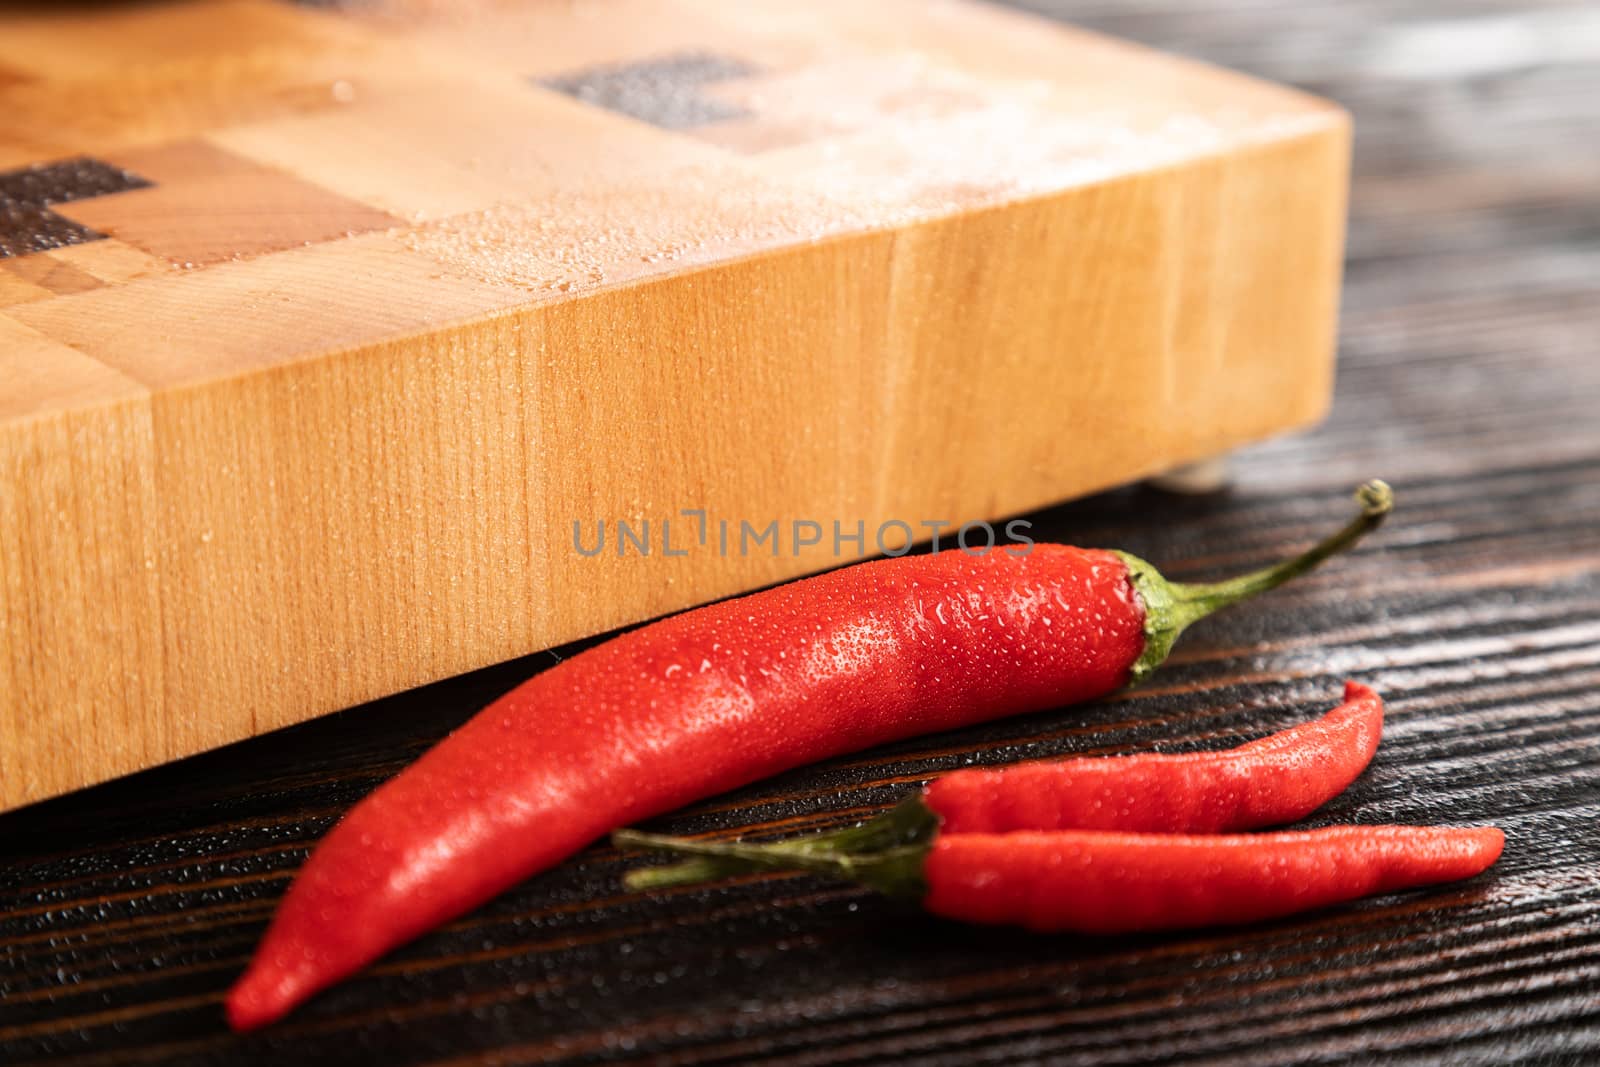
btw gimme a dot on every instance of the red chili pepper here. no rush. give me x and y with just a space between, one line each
1099 882
715 698
1278 779
1106 882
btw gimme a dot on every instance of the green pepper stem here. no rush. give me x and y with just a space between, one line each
1171 607
884 853
697 871
895 872
1376 500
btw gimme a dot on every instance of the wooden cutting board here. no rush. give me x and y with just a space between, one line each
320 330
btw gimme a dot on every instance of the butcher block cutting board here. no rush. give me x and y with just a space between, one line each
331 339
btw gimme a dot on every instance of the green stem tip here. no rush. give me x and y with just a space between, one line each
1171 607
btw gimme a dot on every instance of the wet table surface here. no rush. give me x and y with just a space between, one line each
1470 377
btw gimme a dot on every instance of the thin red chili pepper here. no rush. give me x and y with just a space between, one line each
1102 883
1106 882
1278 779
715 698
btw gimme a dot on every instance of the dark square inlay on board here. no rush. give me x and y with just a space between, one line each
663 92
26 222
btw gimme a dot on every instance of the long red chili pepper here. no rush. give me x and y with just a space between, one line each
1101 883
1104 882
1278 779
715 698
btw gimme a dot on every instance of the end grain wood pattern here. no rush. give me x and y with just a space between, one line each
320 329
1468 376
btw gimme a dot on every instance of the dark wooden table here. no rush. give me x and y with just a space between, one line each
1470 378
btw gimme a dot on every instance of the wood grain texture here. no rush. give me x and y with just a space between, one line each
1467 375
407 292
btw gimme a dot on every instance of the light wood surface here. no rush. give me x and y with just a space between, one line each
332 325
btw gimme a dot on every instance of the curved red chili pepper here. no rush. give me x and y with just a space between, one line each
715 698
1278 779
1099 882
